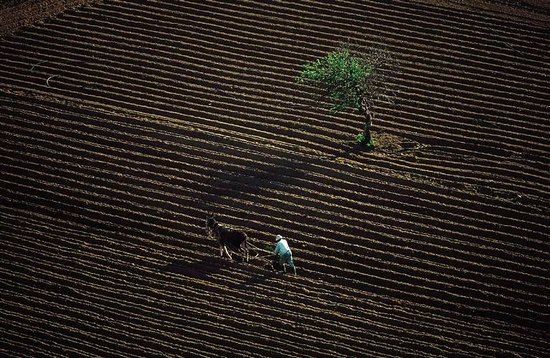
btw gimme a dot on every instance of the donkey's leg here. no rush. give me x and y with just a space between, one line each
246 250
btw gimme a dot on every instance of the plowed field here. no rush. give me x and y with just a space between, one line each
125 123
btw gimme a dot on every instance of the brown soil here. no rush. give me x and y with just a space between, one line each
533 12
124 124
17 13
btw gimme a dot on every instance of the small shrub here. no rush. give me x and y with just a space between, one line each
362 140
352 78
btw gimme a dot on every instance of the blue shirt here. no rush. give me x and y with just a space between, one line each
282 247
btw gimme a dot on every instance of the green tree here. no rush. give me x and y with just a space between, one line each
349 78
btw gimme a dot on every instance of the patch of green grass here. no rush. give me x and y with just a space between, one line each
362 141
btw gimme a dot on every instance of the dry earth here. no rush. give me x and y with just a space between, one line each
125 123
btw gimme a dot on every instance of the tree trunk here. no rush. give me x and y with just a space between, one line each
368 125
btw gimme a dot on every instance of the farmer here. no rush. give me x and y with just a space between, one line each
283 255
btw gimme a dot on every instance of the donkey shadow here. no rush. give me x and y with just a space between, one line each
200 269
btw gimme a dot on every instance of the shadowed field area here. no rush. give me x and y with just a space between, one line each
124 124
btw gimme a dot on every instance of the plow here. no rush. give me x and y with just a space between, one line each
266 257
259 253
236 241
255 253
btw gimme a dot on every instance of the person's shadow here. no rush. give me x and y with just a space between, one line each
201 268
208 266
257 278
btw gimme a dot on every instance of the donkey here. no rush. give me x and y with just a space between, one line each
235 239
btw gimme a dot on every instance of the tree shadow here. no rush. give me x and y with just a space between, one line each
239 188
226 182
348 148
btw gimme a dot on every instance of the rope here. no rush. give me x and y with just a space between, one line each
258 249
268 253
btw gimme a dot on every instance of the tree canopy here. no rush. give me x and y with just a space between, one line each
341 76
351 78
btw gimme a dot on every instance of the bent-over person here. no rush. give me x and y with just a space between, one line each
283 255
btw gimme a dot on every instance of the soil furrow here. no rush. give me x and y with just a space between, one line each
240 21
228 106
159 301
436 297
179 194
125 125
328 142
268 287
96 137
98 190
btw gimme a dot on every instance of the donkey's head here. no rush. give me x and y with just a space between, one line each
211 223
